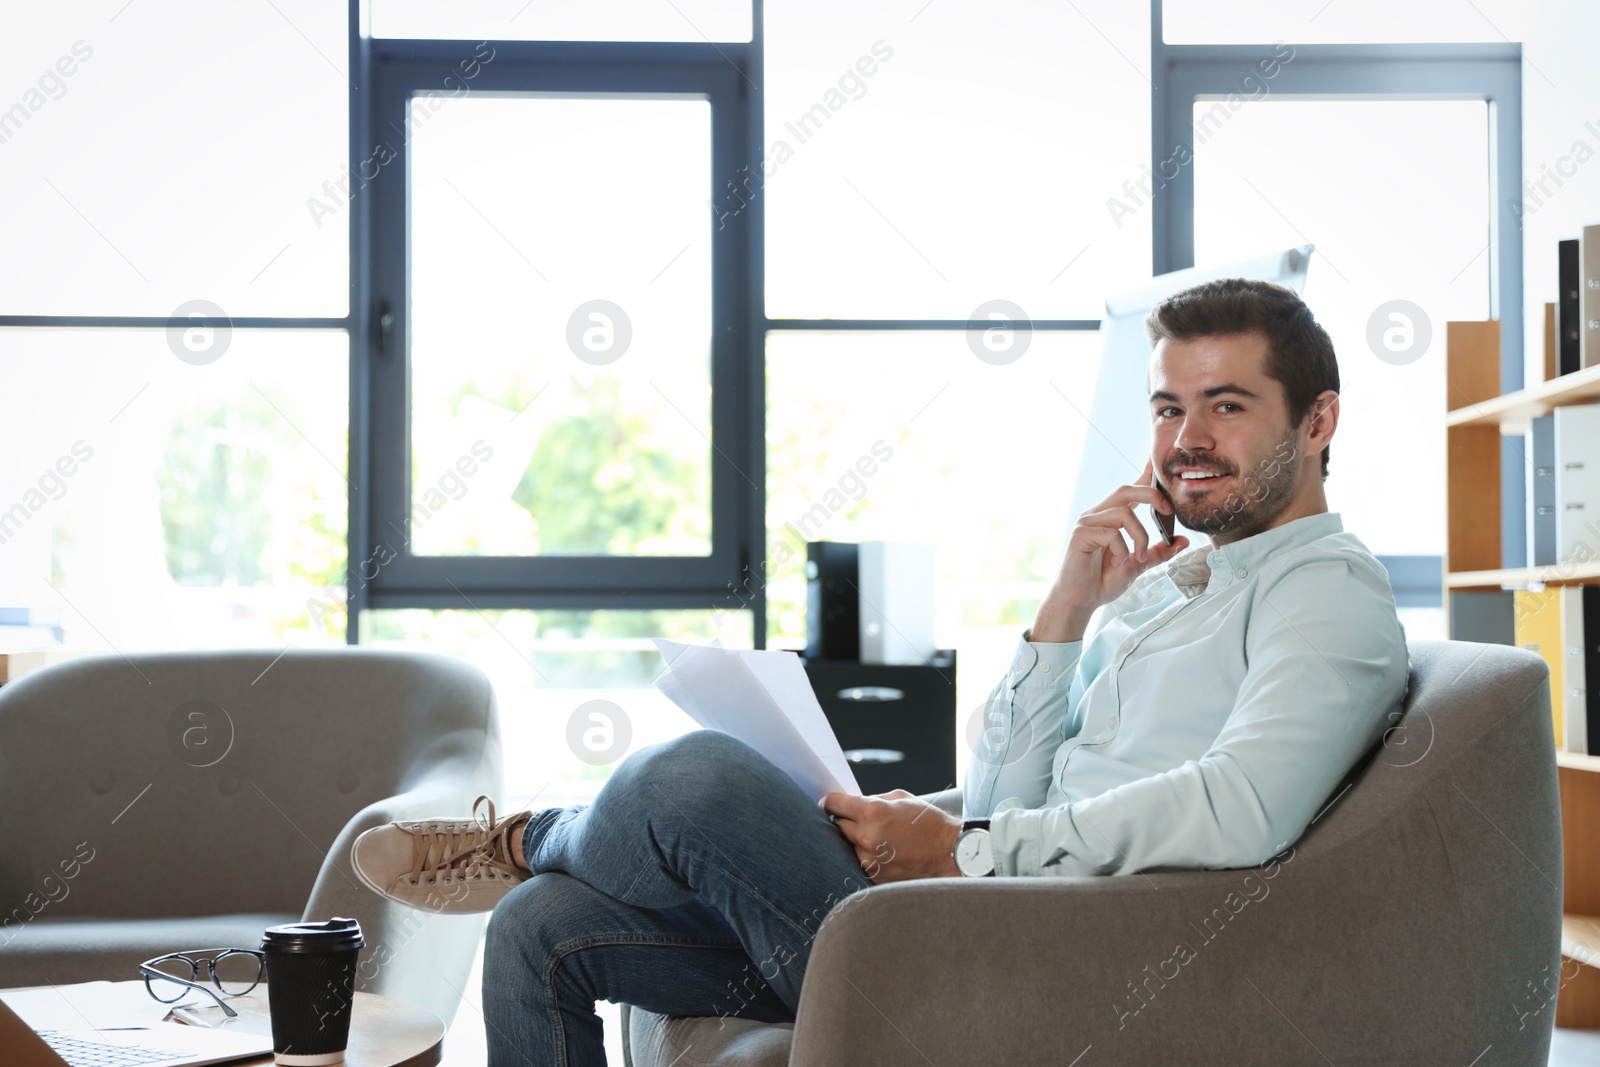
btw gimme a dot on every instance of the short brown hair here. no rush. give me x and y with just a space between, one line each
1299 351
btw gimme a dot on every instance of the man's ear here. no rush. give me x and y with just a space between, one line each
1322 420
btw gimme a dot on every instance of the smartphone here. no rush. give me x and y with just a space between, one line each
1167 524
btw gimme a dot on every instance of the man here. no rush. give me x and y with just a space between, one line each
1199 715
1168 708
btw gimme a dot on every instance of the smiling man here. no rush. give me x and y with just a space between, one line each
1177 707
1169 707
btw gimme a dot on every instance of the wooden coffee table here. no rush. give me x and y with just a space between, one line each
384 1032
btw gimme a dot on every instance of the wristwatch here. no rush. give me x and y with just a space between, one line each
973 855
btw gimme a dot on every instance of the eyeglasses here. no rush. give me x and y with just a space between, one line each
234 971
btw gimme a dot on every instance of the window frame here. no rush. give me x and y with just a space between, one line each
391 576
1183 73
1488 72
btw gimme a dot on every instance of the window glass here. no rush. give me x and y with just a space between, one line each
1399 254
564 20
1340 21
152 161
575 689
561 326
923 159
152 500
913 437
1423 624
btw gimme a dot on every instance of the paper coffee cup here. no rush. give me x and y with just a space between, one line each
311 983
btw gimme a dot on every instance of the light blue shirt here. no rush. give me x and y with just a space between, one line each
1204 719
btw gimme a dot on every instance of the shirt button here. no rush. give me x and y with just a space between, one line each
1243 572
1047 666
1113 722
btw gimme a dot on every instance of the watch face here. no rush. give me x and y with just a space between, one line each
973 856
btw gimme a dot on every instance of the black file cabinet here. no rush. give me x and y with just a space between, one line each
897 725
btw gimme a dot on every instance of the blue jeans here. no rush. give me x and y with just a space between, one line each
693 885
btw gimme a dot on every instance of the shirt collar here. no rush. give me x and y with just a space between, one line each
1197 569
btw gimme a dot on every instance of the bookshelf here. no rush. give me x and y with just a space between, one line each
1477 416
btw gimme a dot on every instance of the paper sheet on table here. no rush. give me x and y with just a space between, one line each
763 698
89 1006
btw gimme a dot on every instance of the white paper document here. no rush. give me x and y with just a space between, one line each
763 698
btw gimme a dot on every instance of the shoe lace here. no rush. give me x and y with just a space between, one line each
460 850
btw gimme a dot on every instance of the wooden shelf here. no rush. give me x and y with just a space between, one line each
1577 761
1575 388
1477 420
1523 577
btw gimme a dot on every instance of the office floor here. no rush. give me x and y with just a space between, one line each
465 1047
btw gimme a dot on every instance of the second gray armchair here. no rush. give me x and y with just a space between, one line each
161 802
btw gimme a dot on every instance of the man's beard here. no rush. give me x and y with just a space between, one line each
1248 503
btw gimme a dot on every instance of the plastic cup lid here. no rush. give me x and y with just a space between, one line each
332 935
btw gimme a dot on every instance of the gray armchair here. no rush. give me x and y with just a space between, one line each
158 802
1411 923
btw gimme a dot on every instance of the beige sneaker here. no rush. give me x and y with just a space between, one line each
448 866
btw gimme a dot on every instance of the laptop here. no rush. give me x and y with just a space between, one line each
164 1045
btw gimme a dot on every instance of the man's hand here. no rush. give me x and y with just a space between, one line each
1099 566
898 836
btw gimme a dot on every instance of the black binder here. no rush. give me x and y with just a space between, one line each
1568 311
1591 664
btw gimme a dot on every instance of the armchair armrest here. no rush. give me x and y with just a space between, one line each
412 954
337 889
1023 970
